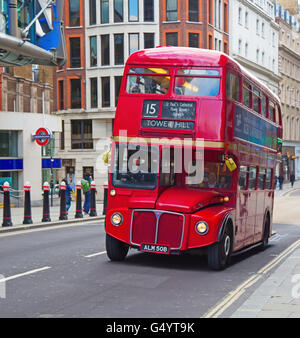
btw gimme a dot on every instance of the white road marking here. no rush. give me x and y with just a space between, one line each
95 254
240 290
24 274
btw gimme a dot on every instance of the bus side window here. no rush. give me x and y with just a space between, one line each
271 110
261 178
264 106
268 179
243 177
252 178
247 94
232 87
277 114
256 101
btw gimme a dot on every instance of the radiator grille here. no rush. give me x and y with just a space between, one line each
157 227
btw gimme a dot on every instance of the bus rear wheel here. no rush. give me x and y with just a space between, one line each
219 253
116 250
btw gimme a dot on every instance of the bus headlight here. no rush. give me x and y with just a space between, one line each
116 219
201 228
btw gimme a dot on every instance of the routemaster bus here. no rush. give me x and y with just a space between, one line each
174 99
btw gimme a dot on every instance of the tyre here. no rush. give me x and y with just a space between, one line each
116 250
219 253
265 238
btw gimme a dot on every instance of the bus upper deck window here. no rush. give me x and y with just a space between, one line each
148 81
256 100
233 87
271 111
264 105
247 94
197 82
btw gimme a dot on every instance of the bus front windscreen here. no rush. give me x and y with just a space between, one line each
135 166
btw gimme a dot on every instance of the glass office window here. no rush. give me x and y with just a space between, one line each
74 13
119 49
148 11
94 92
133 10
93 51
105 83
118 10
104 11
133 42
105 50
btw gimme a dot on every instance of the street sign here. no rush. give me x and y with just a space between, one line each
42 136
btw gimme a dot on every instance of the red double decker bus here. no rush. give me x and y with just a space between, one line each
175 98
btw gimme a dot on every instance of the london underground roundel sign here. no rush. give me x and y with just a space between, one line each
42 136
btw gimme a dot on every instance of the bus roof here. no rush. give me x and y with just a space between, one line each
192 57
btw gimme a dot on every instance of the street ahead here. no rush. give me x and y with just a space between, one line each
64 272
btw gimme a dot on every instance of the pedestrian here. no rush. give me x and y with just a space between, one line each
292 179
275 182
85 185
280 179
68 194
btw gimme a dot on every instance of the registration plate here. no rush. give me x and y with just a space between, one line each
162 249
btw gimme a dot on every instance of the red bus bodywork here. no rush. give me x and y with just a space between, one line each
167 215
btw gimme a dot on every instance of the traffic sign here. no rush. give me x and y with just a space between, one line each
42 136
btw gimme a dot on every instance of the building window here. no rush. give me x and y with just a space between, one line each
225 18
81 134
210 42
225 47
210 11
148 10
118 10
75 59
105 82
105 50
172 39
240 47
194 40
104 11
74 13
119 49
75 93
118 81
93 12
93 51
62 136
171 10
247 20
133 42
148 40
94 92
240 16
61 104
133 10
257 26
9 143
246 50
194 10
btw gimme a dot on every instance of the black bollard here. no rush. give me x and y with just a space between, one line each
27 204
78 213
93 211
6 206
46 207
63 210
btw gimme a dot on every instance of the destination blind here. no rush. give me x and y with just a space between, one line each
171 112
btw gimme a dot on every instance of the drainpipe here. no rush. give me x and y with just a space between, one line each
13 17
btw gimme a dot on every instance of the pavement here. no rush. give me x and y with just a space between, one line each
17 217
276 296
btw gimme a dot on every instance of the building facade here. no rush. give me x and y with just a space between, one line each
26 103
254 39
195 23
289 69
107 31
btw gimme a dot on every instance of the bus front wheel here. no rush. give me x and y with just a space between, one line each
116 250
219 253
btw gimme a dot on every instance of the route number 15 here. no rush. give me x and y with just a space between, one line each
151 108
